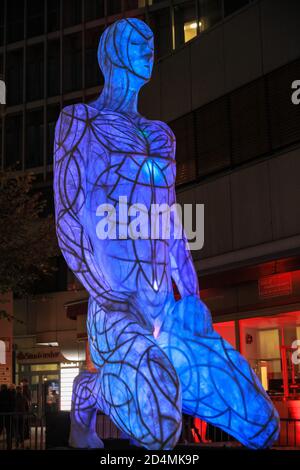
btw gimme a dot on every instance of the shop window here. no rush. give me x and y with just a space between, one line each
249 122
72 13
210 13
35 72
52 117
213 137
230 6
184 131
14 77
34 139
53 15
53 68
15 20
114 7
94 9
35 17
185 22
13 142
267 342
72 59
160 23
43 367
68 372
93 75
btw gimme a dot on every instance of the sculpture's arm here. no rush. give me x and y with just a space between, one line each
70 154
182 266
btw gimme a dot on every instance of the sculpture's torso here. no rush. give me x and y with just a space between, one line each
132 158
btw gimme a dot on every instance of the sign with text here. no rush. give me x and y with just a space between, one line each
276 285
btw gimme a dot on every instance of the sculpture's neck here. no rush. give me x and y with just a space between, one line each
120 92
118 98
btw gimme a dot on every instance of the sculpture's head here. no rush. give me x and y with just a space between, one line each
127 47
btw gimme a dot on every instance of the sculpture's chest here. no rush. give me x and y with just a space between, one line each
133 153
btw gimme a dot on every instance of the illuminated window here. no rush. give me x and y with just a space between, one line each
269 344
43 367
185 16
68 372
2 353
190 30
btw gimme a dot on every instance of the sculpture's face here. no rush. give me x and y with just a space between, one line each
141 54
127 47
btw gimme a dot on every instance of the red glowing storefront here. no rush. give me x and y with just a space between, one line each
257 309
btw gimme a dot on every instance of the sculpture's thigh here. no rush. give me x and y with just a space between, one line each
218 384
139 387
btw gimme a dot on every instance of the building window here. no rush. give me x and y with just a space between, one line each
249 122
34 139
35 72
185 22
1 23
213 136
93 76
160 23
53 15
210 13
72 59
114 7
2 352
184 131
15 21
284 115
13 142
230 6
53 68
52 117
134 4
94 9
35 17
72 13
14 77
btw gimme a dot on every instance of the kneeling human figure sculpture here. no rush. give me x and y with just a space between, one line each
155 357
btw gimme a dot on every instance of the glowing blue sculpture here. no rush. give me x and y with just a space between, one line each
155 357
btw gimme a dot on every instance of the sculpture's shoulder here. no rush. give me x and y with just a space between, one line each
73 125
78 114
160 136
163 126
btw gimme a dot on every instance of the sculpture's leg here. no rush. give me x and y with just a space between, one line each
137 386
85 404
218 384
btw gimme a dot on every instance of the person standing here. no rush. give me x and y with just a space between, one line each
27 396
20 407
